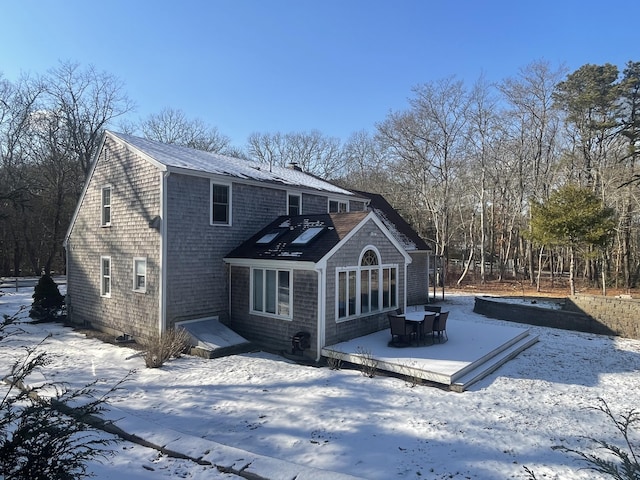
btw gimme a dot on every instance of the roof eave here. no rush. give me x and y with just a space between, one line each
271 262
94 161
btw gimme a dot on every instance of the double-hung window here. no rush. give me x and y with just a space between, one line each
106 206
294 204
140 275
105 276
271 292
220 204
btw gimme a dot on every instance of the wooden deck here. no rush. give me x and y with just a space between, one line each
472 352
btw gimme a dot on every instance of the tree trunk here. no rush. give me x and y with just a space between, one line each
539 268
572 283
604 279
472 249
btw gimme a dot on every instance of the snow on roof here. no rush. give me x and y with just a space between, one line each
200 161
408 244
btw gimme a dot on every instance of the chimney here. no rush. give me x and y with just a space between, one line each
294 166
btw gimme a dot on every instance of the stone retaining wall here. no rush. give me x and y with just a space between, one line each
584 313
621 315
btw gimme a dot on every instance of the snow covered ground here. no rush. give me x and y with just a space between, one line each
342 421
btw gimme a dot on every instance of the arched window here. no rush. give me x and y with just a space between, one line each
367 288
369 258
369 282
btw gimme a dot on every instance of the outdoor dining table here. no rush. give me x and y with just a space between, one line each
416 318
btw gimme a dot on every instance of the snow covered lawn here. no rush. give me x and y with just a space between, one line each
373 428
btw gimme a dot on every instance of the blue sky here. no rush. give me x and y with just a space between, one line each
337 66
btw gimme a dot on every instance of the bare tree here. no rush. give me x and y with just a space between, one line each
533 125
172 126
365 164
314 152
49 128
427 144
17 103
484 135
86 100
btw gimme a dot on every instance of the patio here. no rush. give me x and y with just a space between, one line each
473 351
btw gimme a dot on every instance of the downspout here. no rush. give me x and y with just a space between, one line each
428 270
405 287
66 245
322 307
162 304
229 288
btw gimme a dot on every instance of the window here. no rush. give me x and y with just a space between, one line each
307 235
105 276
346 293
220 204
271 292
267 238
294 206
336 206
140 275
389 288
106 206
367 288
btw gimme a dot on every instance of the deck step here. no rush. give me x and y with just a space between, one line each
489 365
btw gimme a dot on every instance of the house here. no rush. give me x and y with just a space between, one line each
164 234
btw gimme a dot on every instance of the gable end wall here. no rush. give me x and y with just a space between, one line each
135 202
348 255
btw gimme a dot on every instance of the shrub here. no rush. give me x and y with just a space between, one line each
369 365
622 462
42 436
48 302
334 363
161 347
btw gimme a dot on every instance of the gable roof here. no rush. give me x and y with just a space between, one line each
398 226
282 238
191 161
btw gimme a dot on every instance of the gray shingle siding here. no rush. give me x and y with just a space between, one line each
357 206
135 201
313 204
276 333
348 255
417 279
197 279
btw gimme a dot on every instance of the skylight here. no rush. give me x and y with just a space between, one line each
307 235
267 238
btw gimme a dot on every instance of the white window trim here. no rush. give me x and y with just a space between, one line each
102 206
337 288
102 276
135 275
230 205
252 310
329 200
292 194
358 269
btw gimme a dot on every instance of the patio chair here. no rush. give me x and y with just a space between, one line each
399 329
441 329
436 309
426 327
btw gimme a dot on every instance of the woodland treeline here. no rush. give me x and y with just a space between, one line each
462 163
